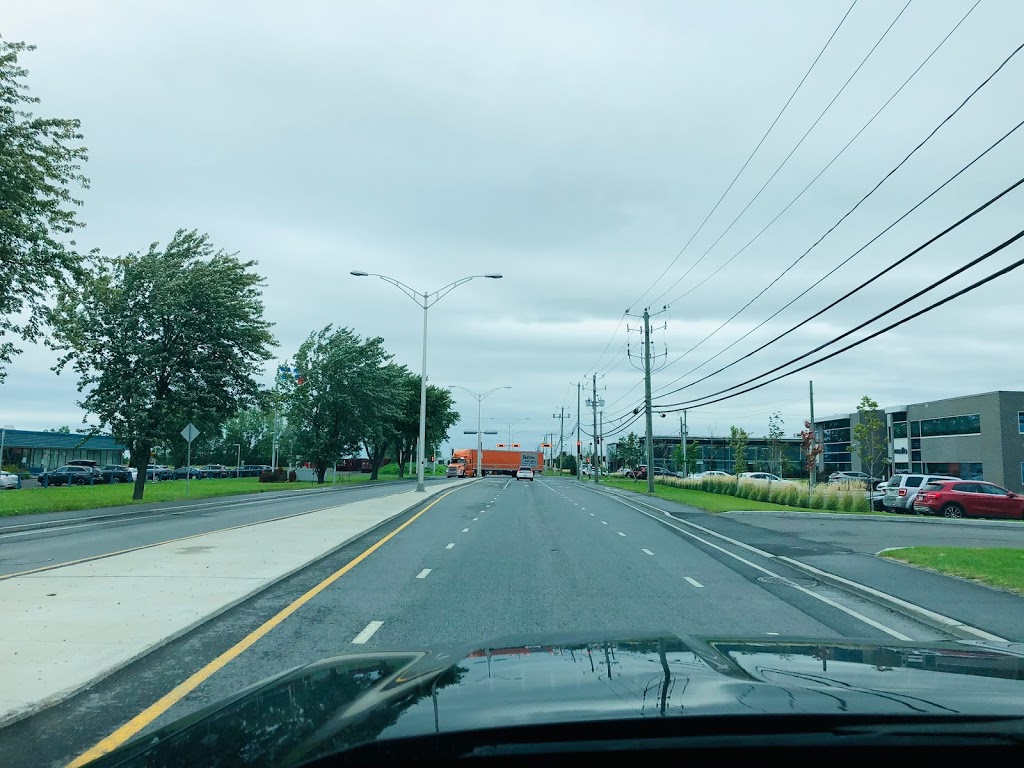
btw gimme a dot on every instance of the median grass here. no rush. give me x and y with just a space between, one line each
712 502
997 567
27 501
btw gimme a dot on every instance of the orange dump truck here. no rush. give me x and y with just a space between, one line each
463 462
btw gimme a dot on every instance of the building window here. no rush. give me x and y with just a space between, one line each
899 429
1020 422
951 425
967 470
915 429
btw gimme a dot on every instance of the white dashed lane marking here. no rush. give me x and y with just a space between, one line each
647 551
367 632
451 546
620 533
465 530
423 574
694 582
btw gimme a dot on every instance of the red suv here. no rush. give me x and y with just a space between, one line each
968 498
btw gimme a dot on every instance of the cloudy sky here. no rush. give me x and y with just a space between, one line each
575 147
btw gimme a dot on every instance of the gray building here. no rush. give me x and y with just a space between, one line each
31 451
978 437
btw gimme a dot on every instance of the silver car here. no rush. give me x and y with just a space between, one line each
901 490
9 480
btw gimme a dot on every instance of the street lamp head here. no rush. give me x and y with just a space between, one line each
494 276
357 273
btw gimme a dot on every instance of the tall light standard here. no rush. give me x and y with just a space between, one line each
426 299
479 434
238 461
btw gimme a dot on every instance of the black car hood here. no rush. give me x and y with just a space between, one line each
340 703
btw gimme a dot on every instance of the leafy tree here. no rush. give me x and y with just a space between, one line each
440 418
630 451
163 338
738 439
776 431
65 430
347 387
687 464
381 436
868 437
40 159
253 429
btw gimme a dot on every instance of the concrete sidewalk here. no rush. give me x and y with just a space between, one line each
67 628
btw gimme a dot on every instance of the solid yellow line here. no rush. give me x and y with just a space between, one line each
176 694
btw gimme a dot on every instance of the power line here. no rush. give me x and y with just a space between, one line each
856 205
751 157
787 157
1005 244
820 173
841 264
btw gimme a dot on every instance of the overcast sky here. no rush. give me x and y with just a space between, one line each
574 147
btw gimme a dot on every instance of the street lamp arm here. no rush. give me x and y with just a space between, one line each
407 290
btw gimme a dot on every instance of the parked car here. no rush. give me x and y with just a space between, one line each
68 474
712 473
214 470
192 473
661 471
968 498
116 473
854 477
765 476
159 472
10 480
901 490
640 473
524 473
587 470
254 470
876 497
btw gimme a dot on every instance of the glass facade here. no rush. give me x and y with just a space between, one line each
899 429
950 425
835 439
968 470
1020 422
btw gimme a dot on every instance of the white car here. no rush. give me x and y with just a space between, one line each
524 473
9 480
712 473
764 476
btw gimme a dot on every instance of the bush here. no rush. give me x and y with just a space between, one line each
273 476
292 476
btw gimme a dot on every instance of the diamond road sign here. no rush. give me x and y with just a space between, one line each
190 432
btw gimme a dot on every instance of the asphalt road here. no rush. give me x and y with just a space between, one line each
77 538
495 558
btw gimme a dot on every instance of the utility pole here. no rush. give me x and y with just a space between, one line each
647 401
600 431
814 437
579 450
561 436
593 404
682 436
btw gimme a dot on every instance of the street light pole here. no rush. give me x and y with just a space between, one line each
426 300
479 433
238 461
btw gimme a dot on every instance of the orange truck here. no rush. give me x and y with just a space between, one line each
463 462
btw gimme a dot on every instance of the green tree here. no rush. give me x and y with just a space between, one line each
65 430
630 451
738 439
440 418
776 431
688 464
381 436
869 437
347 388
40 161
253 429
163 338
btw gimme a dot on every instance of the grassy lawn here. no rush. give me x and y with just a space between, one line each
58 499
998 567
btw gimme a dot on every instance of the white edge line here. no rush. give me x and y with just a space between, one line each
828 601
936 617
423 574
367 632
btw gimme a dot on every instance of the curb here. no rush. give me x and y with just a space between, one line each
913 519
930 618
923 615
62 696
210 502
